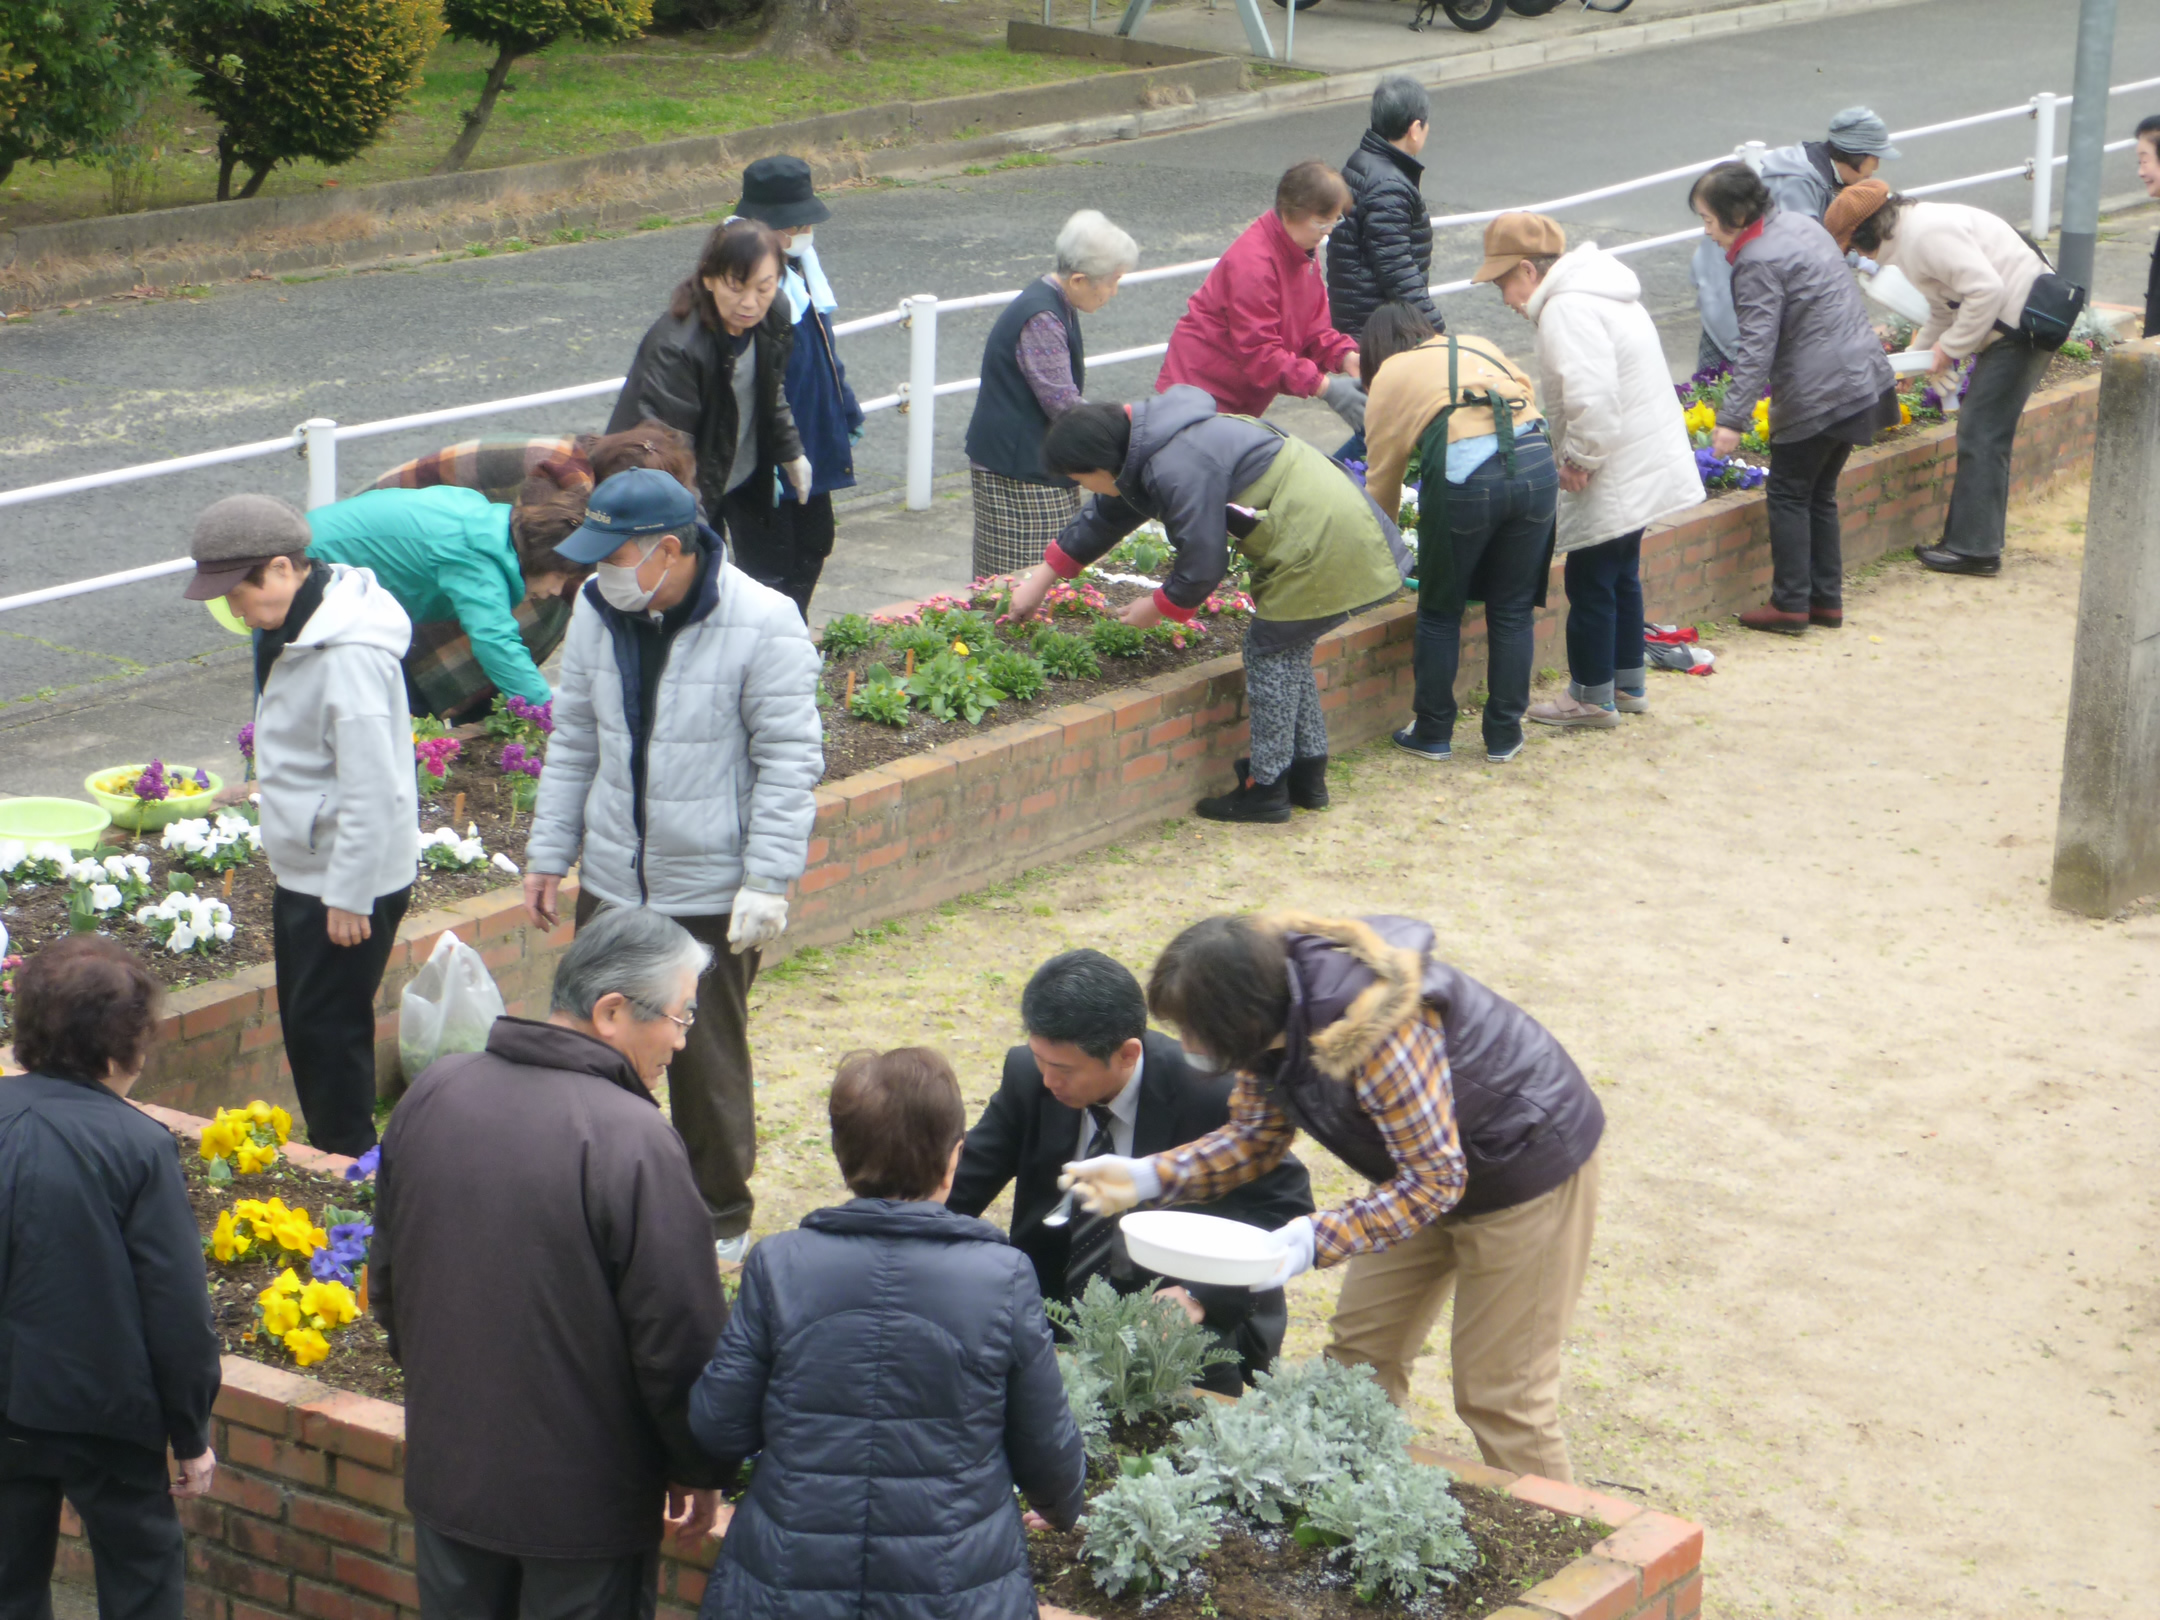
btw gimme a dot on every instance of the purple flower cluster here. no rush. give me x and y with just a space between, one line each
202 779
436 753
366 1165
246 740
348 1248
541 715
152 784
1719 473
517 762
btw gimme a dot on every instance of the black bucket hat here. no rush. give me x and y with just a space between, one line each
777 190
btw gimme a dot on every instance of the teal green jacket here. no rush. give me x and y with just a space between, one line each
443 553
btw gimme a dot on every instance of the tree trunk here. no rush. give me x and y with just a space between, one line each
227 158
257 174
811 27
477 119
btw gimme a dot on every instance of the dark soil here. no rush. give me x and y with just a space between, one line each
36 914
359 1358
1262 1573
853 745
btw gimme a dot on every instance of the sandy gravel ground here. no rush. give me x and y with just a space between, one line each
1874 1295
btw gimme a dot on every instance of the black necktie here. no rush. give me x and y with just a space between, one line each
1089 1246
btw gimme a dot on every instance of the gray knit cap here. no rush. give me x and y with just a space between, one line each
236 535
1857 130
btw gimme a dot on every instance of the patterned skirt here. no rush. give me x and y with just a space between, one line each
1015 522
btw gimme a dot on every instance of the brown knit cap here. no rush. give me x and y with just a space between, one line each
1856 203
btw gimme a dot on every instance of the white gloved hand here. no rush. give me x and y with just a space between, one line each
1346 399
759 919
1110 1185
1294 1253
798 474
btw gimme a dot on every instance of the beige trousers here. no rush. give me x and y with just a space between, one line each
1515 1274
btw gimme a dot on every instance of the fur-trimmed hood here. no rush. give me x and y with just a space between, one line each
1343 1047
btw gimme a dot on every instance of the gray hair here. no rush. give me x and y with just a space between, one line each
631 952
1089 245
1398 101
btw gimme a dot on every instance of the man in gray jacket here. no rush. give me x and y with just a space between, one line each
686 749
340 809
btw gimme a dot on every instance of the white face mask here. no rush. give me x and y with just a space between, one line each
800 245
619 586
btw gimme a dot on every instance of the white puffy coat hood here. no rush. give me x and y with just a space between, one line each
1609 401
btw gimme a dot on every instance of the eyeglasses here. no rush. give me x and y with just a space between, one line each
689 1013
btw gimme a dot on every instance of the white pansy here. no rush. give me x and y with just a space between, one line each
55 853
183 938
445 851
13 852
503 863
224 932
104 896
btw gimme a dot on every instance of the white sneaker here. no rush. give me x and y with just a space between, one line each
732 1251
1566 711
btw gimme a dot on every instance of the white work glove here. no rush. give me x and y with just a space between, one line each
759 919
1347 400
1294 1253
798 474
1110 1185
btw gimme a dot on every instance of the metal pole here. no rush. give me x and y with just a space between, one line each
1289 31
318 443
2043 213
2088 133
921 406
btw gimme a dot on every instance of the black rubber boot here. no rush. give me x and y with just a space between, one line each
1252 801
1308 783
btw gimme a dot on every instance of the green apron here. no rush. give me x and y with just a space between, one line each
1440 590
1318 549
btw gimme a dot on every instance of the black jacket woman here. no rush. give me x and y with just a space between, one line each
109 1355
715 367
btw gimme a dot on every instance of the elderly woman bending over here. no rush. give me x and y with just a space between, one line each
1034 367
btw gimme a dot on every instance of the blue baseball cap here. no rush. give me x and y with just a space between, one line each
634 505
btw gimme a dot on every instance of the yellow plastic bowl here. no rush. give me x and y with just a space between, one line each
147 816
54 821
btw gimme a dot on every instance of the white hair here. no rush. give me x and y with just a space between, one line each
629 951
1089 245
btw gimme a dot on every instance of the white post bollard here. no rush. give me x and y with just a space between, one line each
921 406
2043 174
318 444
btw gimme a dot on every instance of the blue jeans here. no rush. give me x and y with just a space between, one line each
1605 618
1502 530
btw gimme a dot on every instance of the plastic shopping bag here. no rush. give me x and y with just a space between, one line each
449 1007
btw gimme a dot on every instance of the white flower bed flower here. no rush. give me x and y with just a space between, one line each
106 885
188 922
33 863
207 846
444 850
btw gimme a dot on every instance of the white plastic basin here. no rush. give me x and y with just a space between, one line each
1199 1248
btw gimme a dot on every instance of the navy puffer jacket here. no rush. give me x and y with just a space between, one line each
890 1367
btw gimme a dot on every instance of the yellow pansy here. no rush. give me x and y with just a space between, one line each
250 1156
1904 413
328 1304
295 1231
227 1241
280 1312
961 648
307 1346
281 1122
1701 418
258 1112
1762 416
219 1138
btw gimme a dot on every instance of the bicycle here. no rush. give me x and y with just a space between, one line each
1475 16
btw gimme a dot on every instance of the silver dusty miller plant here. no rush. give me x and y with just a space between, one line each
1150 1527
1397 1528
1147 1351
1084 1388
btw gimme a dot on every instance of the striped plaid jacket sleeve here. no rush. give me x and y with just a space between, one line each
1406 1089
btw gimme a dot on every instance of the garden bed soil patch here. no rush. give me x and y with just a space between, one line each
37 914
1263 1573
359 1359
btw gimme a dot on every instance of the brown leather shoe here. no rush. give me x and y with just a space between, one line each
1775 619
1826 618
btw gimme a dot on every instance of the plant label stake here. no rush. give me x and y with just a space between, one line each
850 695
910 662
228 880
457 810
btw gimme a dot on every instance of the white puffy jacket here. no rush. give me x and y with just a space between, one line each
1609 401
735 750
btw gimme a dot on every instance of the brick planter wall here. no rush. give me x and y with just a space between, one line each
924 828
308 1519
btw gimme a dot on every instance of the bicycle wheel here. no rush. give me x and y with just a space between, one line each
1474 16
1532 8
1302 5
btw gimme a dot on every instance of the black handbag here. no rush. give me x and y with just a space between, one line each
2052 307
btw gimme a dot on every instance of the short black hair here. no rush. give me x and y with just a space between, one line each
1224 984
2148 130
1088 438
1085 999
1851 160
1396 327
1398 101
1733 192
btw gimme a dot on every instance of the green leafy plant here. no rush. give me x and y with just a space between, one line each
1397 1528
1346 1405
925 641
1064 657
1113 639
881 697
961 624
520 28
74 74
1146 551
1149 1352
847 635
951 687
1150 1527
1302 1426
1084 1388
1018 675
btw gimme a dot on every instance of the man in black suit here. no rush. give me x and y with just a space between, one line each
1094 1079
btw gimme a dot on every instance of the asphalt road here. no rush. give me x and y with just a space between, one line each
128 383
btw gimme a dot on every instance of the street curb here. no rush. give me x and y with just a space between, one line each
525 202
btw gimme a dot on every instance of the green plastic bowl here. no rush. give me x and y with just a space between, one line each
54 821
139 816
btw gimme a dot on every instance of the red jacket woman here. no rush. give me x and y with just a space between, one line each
1259 324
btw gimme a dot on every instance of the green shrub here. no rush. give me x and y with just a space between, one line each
1084 1388
880 697
519 28
1397 1527
74 74
1150 1527
1147 1349
1114 639
1016 674
953 688
847 635
962 624
1066 658
925 641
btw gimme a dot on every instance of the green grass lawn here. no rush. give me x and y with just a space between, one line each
576 99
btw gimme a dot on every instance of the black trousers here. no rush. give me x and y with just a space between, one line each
463 1582
1807 547
127 1511
326 1007
2003 379
783 546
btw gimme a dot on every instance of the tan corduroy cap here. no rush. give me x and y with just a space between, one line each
1512 238
1858 202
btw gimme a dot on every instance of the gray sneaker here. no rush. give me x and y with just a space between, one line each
1568 712
1632 702
732 1251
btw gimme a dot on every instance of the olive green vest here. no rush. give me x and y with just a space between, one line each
1318 549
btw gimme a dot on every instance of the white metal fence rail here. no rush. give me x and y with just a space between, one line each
317 439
